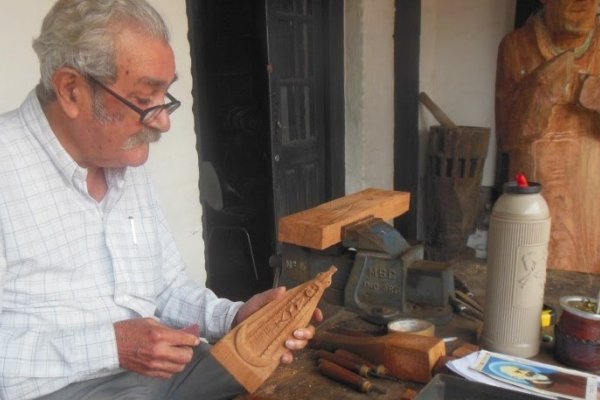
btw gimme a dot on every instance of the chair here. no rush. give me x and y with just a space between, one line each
223 218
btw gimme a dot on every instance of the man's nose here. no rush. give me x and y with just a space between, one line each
161 122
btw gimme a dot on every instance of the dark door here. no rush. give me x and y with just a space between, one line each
296 97
242 66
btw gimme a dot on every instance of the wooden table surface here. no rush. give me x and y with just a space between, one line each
301 381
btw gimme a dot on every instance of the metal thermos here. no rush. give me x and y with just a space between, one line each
516 273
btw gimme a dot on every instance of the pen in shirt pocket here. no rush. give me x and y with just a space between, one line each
133 233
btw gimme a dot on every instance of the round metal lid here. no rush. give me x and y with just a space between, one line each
569 303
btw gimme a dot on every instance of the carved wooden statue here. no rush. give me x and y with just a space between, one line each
548 122
252 350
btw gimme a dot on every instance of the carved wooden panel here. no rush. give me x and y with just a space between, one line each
252 350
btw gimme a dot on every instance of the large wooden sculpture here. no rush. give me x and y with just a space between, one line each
252 350
547 122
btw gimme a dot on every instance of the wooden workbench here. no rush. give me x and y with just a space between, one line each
301 381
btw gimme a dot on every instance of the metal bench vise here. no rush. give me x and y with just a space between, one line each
380 275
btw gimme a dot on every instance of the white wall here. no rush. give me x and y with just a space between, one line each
369 92
459 42
173 162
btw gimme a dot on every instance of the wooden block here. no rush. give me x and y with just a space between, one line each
464 350
441 366
405 355
321 227
252 350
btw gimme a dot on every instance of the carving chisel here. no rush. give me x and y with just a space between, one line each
377 371
470 301
347 377
355 364
360 369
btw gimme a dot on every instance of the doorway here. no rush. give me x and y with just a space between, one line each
266 156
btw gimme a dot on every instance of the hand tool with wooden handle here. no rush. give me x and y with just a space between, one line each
378 369
360 369
468 300
375 371
460 307
407 356
437 112
347 377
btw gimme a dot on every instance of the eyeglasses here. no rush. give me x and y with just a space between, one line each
147 115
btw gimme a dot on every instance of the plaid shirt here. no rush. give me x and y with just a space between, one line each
70 267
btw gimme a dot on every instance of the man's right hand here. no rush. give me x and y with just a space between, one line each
150 348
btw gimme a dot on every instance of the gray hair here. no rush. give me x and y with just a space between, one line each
81 34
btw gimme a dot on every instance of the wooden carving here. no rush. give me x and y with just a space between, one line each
252 350
547 122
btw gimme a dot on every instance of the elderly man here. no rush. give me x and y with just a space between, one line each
94 301
547 120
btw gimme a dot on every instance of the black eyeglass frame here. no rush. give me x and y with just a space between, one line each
149 113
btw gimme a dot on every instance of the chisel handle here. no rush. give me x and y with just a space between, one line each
378 369
342 375
360 369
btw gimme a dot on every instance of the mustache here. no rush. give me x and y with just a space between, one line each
145 136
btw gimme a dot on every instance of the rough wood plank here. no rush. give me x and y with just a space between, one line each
252 350
405 355
321 227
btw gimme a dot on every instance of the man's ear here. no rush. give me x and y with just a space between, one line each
71 90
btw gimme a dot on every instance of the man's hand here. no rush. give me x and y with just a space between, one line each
150 348
300 336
